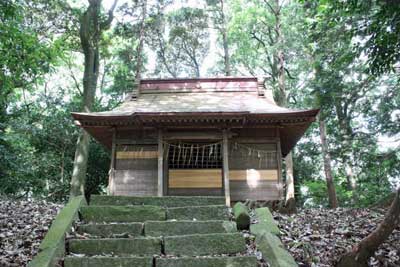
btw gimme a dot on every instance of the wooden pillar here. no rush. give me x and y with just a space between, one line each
226 168
111 173
160 164
279 161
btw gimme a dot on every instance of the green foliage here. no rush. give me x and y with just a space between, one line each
340 56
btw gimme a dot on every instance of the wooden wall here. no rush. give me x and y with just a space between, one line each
253 175
195 182
136 163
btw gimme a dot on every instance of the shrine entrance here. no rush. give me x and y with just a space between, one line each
194 169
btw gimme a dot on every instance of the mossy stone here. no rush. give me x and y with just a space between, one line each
266 223
242 216
117 246
122 213
239 261
208 244
109 230
108 261
167 201
171 228
273 251
199 213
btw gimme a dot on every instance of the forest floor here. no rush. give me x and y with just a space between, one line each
317 237
23 225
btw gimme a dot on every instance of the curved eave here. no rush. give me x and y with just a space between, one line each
112 117
292 124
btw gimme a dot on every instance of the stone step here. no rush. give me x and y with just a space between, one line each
199 213
108 261
201 245
171 228
237 261
112 230
116 246
167 201
122 213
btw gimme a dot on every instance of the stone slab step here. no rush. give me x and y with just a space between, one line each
116 246
167 201
199 213
122 213
172 228
108 261
239 261
112 230
209 244
273 251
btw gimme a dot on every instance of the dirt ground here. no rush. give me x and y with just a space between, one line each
23 225
317 237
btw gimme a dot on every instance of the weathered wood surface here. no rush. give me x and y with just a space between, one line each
135 182
136 164
253 175
263 190
195 178
195 192
137 154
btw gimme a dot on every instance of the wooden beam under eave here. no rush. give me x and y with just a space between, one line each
226 167
160 164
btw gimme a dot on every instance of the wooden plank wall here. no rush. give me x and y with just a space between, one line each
251 177
136 163
195 182
195 178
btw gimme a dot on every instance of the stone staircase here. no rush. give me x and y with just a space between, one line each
157 231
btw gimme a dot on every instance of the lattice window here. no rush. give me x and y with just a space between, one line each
258 156
194 155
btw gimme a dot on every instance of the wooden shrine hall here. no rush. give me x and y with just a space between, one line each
198 137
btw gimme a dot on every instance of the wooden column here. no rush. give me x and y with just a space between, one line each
160 163
279 161
226 168
110 190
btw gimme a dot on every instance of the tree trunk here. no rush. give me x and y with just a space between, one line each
141 43
290 201
346 133
290 198
226 54
327 165
227 64
91 28
360 253
80 165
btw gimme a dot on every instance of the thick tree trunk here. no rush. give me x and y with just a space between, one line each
327 165
346 133
290 201
227 61
290 197
139 50
91 28
360 253
225 44
80 165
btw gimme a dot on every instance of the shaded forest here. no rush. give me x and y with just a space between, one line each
63 56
